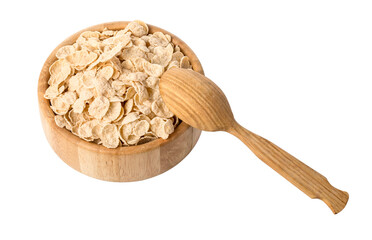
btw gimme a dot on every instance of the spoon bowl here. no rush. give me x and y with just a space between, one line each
198 102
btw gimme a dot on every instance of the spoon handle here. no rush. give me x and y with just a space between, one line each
306 179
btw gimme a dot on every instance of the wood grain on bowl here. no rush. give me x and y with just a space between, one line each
130 163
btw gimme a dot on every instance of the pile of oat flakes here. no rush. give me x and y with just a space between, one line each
104 88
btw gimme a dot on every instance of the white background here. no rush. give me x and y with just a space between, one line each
296 72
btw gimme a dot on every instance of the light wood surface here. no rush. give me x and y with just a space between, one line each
124 163
199 102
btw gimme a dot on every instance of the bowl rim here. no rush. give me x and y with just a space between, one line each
48 115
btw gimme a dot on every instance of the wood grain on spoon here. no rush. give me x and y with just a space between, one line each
200 103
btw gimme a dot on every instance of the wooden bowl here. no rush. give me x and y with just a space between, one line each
122 164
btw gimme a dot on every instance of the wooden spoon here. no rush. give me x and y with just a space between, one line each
200 103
